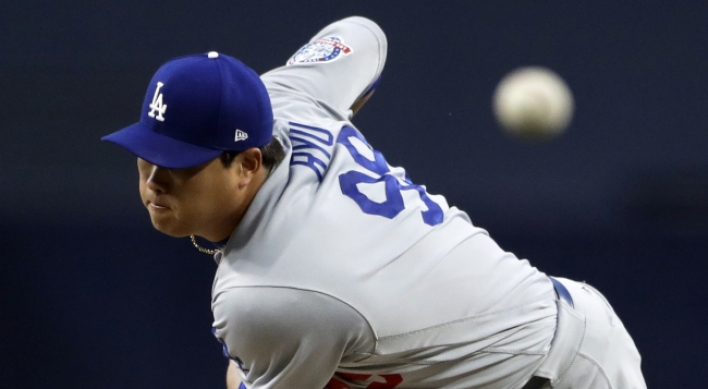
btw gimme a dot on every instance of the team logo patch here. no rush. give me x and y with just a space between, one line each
322 50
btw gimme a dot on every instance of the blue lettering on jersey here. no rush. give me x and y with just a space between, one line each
393 205
312 147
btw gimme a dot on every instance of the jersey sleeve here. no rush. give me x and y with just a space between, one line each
338 65
288 338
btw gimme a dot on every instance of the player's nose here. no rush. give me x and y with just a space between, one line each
157 181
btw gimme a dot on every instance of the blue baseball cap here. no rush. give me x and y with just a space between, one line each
197 107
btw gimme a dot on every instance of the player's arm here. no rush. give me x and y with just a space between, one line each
233 379
286 338
340 64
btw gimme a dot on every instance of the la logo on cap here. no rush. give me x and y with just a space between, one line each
157 104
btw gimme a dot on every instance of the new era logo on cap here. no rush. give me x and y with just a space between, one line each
240 135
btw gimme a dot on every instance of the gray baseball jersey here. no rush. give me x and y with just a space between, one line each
344 273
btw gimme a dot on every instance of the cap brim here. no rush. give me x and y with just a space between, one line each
159 149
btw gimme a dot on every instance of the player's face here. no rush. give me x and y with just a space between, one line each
207 200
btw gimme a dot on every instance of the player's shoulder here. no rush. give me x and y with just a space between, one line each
333 69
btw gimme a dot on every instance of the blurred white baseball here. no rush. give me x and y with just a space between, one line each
533 103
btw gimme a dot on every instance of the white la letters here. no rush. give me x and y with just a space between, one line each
157 104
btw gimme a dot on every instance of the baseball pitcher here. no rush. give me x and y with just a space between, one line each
334 268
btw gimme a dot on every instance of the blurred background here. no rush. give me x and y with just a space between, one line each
92 297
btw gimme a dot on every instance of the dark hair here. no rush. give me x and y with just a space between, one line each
272 153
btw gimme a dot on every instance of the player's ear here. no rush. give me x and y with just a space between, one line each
250 161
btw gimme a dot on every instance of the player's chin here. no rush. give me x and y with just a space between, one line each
169 226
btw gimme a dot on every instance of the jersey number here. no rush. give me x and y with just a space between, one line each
393 204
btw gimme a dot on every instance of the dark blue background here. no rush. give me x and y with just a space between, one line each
93 297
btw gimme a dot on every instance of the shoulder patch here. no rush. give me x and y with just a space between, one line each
324 49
